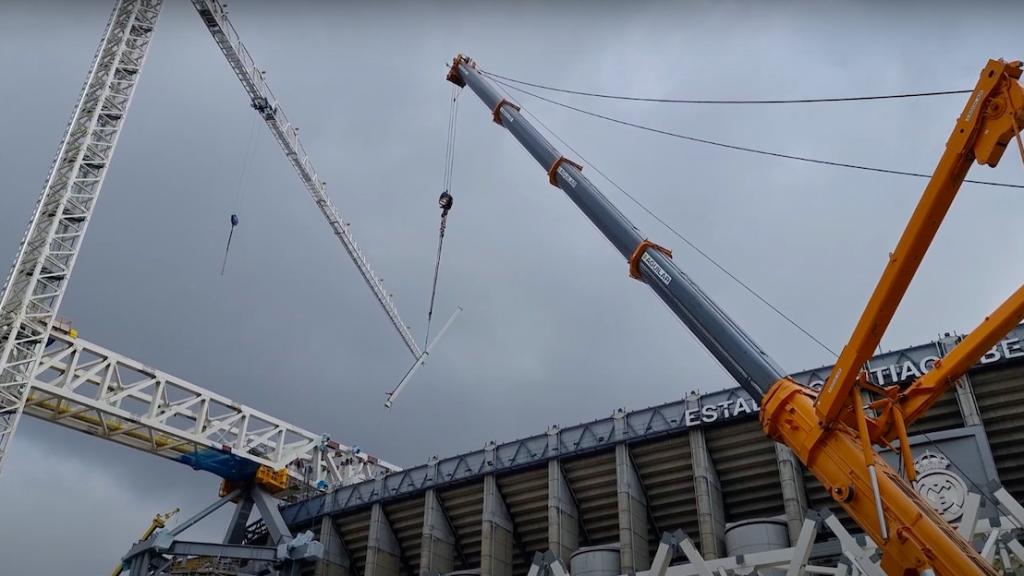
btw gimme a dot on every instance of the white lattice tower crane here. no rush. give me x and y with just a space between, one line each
84 386
39 277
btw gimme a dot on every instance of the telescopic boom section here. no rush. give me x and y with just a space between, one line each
748 364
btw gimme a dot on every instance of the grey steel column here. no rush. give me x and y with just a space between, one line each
634 541
437 545
239 520
707 490
964 391
794 496
139 565
383 554
496 540
267 506
336 561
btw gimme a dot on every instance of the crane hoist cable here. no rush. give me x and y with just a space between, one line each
738 148
231 233
861 98
250 148
445 200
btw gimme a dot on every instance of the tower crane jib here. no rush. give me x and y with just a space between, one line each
286 134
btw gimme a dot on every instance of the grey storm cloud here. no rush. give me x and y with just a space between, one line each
553 331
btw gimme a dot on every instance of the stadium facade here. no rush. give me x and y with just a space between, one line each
700 464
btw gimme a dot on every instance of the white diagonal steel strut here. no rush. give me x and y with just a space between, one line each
39 276
88 388
264 101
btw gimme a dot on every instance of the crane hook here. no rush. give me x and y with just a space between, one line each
231 233
445 201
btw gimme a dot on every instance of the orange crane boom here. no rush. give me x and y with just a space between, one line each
982 132
831 431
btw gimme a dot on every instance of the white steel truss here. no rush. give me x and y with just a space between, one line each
49 373
36 283
88 388
286 134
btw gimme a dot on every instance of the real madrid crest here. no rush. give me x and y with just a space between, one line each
942 489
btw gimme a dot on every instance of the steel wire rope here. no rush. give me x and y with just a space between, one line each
448 139
679 235
606 96
738 148
449 168
250 149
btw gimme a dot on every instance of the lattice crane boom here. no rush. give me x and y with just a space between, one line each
36 283
49 373
86 387
286 134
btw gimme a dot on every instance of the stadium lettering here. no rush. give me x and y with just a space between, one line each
721 411
910 369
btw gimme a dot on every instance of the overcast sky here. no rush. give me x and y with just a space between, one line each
553 331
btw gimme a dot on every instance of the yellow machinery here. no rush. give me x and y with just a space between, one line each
158 522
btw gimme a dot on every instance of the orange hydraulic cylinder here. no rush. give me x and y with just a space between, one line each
918 539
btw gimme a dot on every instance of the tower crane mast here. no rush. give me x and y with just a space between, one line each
830 432
38 279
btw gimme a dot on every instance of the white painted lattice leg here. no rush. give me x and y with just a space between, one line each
36 283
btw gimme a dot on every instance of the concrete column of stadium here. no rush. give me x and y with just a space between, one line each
707 490
335 561
794 497
496 532
964 391
634 539
437 545
563 515
383 554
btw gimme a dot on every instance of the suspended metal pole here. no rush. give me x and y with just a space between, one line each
420 361
748 364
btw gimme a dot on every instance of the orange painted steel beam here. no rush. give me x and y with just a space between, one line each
926 390
981 133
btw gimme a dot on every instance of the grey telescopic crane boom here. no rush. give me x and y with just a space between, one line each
748 364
